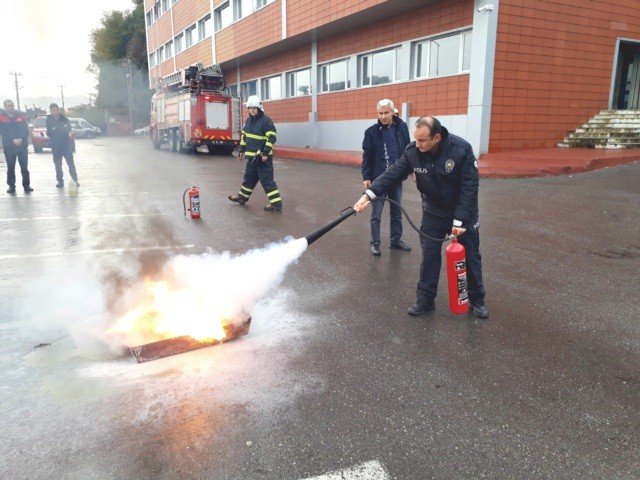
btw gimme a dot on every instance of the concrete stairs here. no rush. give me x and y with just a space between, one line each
608 129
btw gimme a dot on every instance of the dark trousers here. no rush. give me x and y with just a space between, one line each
23 158
259 171
396 216
67 153
432 259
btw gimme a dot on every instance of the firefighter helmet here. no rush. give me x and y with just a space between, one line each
254 102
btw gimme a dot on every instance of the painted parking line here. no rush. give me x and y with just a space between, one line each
372 470
96 251
82 217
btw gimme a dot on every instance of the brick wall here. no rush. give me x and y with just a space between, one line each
289 110
258 30
282 62
553 68
159 32
304 15
439 17
188 12
438 96
200 52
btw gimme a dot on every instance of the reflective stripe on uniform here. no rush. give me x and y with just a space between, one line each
256 137
243 195
269 144
246 189
250 154
270 132
275 200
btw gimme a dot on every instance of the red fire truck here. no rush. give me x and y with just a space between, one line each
193 108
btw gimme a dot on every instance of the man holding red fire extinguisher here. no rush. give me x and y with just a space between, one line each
446 174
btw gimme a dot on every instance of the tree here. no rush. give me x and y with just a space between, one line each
121 36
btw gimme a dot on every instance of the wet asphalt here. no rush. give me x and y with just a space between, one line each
333 372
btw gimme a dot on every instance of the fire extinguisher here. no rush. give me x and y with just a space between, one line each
193 194
457 277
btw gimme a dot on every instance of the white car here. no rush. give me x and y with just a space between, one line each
83 129
141 131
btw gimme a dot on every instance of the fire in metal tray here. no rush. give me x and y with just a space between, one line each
176 345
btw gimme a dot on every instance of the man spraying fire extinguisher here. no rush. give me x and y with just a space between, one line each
256 145
446 174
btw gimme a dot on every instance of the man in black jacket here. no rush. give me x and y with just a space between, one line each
256 145
384 143
446 174
15 142
59 133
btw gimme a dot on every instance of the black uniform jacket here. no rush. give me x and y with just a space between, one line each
58 130
447 180
13 127
258 135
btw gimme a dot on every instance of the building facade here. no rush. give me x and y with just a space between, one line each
505 74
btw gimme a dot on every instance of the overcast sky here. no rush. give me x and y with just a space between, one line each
48 42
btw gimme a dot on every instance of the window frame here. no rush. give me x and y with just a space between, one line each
370 61
322 74
266 87
178 41
460 34
168 49
202 25
243 88
188 35
291 83
217 16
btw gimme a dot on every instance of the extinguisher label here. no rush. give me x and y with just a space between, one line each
195 204
463 295
460 265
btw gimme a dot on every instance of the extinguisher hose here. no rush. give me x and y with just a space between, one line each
413 225
184 202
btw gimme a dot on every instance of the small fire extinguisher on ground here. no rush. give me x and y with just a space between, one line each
193 196
457 277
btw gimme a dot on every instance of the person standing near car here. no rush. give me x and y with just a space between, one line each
60 136
15 141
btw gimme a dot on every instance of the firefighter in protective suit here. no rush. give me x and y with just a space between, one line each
256 145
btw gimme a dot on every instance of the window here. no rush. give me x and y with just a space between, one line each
233 90
262 3
149 17
173 1
152 59
188 36
442 56
334 76
168 49
160 55
247 89
466 51
242 8
156 11
377 68
204 28
272 88
177 44
223 16
165 5
299 83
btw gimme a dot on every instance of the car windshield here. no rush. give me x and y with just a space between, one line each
40 122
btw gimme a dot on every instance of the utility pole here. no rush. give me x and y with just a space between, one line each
127 63
15 76
62 95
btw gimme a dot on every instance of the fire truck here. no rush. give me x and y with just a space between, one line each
193 108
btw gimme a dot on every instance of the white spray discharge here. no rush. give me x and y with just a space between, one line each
196 295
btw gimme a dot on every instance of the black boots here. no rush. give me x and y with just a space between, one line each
237 199
420 308
274 207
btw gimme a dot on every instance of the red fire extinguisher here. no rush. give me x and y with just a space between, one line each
457 277
193 194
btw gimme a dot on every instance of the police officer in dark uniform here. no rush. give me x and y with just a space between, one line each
15 142
59 133
256 145
446 174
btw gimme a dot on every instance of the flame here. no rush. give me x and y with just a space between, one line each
170 312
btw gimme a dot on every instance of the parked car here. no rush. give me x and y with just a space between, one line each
39 135
141 131
83 129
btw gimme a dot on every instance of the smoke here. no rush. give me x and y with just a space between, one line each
192 293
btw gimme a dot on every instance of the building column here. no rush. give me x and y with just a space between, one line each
313 114
483 45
